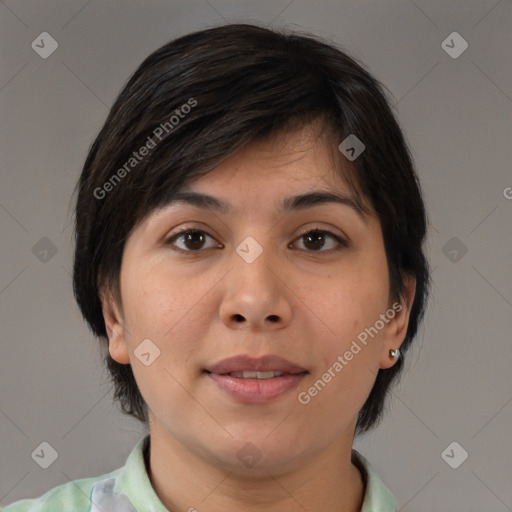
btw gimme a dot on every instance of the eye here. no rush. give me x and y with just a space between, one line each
315 239
192 239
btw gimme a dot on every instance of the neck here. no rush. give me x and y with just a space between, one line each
186 481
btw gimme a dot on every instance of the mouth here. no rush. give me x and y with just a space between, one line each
255 380
256 375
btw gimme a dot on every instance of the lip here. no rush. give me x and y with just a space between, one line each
267 363
256 391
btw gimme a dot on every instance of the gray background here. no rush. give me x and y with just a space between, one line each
457 116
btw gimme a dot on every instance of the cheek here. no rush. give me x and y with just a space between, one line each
353 300
160 307
349 366
155 301
169 310
349 303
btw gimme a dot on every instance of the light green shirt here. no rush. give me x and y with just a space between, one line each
128 489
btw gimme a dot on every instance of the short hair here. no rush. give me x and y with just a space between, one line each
199 99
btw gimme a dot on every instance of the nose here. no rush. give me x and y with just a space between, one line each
256 294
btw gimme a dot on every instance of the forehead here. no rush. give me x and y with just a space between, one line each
282 173
291 176
294 160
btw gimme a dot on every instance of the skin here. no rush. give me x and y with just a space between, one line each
201 307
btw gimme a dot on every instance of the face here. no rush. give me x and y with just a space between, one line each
308 284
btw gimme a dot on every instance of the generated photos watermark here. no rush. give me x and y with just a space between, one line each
304 397
159 134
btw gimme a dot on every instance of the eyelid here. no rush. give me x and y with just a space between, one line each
342 240
199 226
329 231
183 230
191 226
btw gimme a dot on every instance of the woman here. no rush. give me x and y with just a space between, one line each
249 231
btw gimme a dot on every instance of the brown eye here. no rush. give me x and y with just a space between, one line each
316 240
191 240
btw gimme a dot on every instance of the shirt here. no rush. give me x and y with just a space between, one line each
129 489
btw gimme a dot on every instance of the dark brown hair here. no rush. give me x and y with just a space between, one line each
200 98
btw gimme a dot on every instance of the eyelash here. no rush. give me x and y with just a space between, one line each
342 243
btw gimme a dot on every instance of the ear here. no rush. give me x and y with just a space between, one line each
396 329
116 331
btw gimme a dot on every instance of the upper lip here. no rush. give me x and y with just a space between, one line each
242 362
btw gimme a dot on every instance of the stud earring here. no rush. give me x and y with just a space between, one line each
394 353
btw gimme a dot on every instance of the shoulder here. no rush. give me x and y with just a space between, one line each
73 496
125 489
377 496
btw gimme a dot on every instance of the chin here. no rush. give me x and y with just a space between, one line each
250 454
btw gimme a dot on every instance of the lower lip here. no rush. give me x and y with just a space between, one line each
256 391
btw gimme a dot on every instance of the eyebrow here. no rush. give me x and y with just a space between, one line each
290 203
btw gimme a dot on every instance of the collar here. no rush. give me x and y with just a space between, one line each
133 481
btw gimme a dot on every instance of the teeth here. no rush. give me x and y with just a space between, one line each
256 375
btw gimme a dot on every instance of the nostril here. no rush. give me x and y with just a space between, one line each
239 318
273 318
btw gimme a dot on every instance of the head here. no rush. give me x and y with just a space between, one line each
250 116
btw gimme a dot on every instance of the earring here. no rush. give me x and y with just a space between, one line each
394 353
